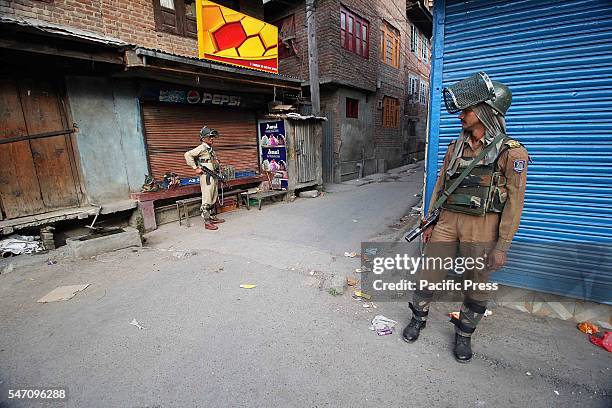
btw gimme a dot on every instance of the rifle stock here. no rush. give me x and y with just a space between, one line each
429 221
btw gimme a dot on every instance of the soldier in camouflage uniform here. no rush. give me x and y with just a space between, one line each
204 155
479 218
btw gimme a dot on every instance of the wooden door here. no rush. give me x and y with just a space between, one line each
37 174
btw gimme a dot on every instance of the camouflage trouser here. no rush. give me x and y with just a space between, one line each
459 235
208 211
209 196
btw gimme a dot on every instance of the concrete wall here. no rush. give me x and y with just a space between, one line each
110 141
356 135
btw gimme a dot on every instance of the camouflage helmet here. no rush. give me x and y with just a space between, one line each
208 132
503 98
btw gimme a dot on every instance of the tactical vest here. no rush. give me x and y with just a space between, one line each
482 190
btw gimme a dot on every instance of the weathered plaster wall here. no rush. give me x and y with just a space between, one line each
110 139
356 134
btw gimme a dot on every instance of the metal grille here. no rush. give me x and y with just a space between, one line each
468 92
556 57
305 151
171 130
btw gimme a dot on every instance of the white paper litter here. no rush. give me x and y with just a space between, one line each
381 322
134 322
20 244
62 293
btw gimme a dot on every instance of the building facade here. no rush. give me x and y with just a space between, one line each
97 94
374 78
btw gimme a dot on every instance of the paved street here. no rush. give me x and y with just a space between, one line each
287 342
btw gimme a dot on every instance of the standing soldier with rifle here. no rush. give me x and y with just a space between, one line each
477 202
204 161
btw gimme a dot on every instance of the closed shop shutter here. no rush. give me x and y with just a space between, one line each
556 56
171 130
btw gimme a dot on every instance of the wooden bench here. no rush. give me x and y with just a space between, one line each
260 196
146 200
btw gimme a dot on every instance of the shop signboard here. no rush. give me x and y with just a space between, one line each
234 38
274 153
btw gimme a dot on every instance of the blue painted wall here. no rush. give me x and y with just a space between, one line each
110 140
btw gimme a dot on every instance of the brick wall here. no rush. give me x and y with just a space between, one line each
129 20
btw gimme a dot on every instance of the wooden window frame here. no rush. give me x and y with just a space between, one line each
352 108
390 36
425 49
423 92
414 39
391 112
183 25
286 46
413 91
353 29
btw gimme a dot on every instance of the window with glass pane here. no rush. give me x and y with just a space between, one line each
354 33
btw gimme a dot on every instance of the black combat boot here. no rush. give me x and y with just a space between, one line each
463 348
418 322
412 331
469 317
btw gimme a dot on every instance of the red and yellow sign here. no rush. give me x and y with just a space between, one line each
234 38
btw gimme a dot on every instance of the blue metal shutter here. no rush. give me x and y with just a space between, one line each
556 56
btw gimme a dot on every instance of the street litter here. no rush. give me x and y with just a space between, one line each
248 286
311 273
528 374
382 325
354 220
351 281
20 244
358 270
371 251
603 340
415 211
62 293
134 322
588 328
363 295
350 254
418 195
456 314
556 392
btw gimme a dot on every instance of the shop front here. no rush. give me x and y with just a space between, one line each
172 120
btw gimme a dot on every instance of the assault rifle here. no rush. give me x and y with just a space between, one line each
209 172
426 223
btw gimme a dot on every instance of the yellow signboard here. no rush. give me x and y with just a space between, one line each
234 38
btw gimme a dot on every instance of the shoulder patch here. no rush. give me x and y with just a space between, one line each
513 143
519 166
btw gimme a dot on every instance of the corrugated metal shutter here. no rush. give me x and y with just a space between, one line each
171 130
556 56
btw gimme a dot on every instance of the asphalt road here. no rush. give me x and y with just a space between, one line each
287 342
